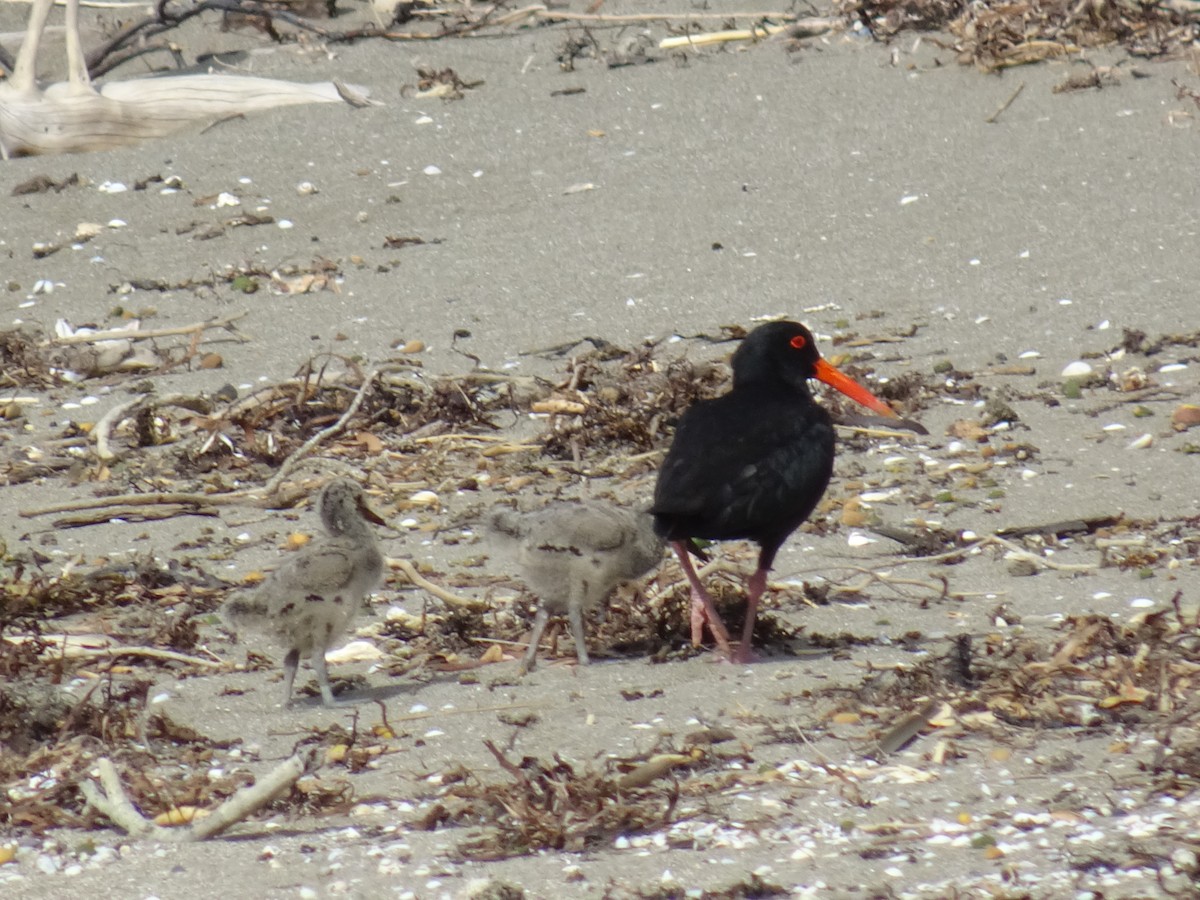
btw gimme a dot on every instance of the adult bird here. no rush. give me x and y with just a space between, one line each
752 464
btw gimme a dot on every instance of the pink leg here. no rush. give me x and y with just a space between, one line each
703 609
754 590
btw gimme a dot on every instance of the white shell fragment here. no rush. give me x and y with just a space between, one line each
355 651
1077 369
1142 442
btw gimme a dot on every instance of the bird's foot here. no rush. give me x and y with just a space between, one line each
743 655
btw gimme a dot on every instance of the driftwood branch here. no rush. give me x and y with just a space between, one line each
75 116
62 647
110 799
122 501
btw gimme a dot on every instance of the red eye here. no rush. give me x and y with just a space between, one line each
799 342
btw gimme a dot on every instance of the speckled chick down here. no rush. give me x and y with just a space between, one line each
572 555
309 602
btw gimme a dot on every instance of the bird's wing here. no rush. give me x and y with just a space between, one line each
584 526
731 468
326 571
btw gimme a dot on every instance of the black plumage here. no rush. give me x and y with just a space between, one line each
753 463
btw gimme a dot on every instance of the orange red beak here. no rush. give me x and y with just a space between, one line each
852 389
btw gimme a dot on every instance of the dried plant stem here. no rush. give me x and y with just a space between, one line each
991 120
102 431
450 599
255 495
249 800
144 652
148 513
563 16
147 334
136 500
336 428
757 33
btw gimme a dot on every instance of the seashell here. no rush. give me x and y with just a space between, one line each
355 651
1077 369
179 815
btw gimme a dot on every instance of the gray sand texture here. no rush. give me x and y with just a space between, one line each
848 184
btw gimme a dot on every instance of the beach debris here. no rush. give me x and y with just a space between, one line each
438 84
547 805
76 360
77 353
1185 416
997 35
811 26
110 799
76 116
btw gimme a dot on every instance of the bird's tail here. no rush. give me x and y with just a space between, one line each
505 526
243 610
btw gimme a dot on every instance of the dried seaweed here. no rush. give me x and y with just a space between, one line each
22 363
625 405
999 34
53 735
546 805
1099 672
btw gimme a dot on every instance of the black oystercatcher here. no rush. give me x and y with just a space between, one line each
572 555
310 600
753 463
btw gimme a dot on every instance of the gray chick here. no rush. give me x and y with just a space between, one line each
309 601
571 555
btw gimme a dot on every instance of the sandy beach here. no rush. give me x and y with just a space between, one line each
560 219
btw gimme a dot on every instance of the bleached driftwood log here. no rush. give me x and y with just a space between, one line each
75 117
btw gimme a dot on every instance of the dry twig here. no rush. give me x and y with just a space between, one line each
450 599
111 800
